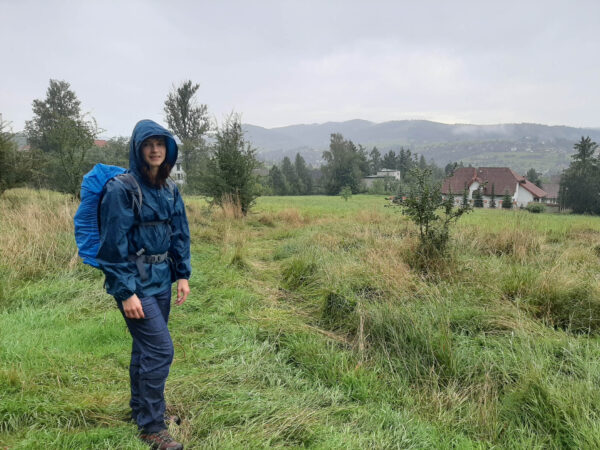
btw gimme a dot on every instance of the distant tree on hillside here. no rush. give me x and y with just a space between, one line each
390 161
343 165
534 177
277 181
375 161
303 174
293 181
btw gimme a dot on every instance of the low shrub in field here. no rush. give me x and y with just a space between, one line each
432 214
535 208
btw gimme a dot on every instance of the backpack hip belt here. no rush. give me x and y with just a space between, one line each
140 259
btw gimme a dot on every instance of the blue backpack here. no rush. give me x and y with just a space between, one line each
87 217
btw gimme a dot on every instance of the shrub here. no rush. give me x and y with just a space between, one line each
433 214
346 193
535 208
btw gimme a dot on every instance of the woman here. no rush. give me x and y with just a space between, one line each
142 252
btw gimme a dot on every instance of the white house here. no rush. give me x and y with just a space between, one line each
381 175
503 180
177 173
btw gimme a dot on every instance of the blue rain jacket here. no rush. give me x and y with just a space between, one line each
120 236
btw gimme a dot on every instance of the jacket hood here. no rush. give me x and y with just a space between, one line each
143 130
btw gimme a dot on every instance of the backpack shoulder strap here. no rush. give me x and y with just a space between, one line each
136 192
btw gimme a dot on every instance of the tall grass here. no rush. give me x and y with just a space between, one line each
312 323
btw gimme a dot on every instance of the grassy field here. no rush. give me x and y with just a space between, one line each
311 323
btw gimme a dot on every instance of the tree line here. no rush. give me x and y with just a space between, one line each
61 147
345 166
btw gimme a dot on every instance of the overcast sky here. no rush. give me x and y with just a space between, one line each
285 62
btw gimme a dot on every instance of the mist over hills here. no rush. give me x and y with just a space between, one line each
519 146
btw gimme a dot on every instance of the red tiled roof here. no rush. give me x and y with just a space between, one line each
503 179
461 180
100 143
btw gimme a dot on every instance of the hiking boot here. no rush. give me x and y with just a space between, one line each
161 440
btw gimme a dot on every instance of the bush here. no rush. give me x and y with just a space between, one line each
433 214
535 208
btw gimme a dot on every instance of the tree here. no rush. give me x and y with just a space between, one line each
343 165
507 200
433 214
493 197
189 121
115 152
580 182
230 167
534 177
63 134
15 166
61 102
390 161
375 160
303 174
293 181
450 168
346 193
277 181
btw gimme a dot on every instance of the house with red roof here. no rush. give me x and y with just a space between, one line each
521 190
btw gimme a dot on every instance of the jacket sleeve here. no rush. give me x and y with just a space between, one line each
179 249
116 220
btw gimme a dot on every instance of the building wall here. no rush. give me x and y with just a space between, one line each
522 196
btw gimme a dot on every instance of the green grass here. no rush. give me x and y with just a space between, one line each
308 326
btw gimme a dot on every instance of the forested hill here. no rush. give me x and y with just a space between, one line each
547 148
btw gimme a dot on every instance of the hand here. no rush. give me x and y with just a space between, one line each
183 289
132 307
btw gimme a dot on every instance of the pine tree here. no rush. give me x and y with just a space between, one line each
493 197
507 200
303 174
289 172
231 166
277 181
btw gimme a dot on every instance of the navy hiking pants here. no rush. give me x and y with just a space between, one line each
151 357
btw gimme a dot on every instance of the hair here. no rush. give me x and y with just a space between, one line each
164 171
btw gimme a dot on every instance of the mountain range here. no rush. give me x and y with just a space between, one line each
519 146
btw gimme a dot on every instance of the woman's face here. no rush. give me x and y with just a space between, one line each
154 151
